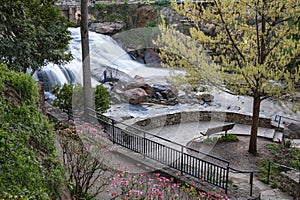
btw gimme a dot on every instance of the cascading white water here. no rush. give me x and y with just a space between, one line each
105 53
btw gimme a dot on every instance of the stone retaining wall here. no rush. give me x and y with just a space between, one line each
194 116
290 183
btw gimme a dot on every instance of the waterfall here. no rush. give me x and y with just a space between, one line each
105 53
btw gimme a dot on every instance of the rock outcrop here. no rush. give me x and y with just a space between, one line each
107 28
138 91
136 95
207 98
139 82
292 131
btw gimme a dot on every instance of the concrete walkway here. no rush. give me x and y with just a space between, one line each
185 132
135 163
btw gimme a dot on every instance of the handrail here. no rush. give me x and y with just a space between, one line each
280 165
278 118
166 140
251 172
115 131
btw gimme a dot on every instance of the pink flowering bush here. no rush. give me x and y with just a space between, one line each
89 173
86 172
154 186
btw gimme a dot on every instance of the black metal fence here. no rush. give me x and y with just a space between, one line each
212 169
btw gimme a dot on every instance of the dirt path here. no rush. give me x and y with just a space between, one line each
237 152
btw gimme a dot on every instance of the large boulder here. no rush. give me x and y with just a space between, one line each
139 82
207 98
151 57
136 96
107 28
292 131
165 91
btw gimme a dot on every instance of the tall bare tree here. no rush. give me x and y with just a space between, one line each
86 68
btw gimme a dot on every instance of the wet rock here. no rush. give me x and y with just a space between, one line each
292 131
191 99
151 57
117 98
207 97
136 95
139 82
166 91
107 28
137 91
233 108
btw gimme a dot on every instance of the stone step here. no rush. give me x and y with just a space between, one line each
296 143
277 136
275 124
266 133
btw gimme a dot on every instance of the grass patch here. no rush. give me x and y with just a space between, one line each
228 138
223 138
284 154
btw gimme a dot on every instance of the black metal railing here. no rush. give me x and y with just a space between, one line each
286 168
251 172
280 120
209 168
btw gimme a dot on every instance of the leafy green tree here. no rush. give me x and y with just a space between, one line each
63 98
30 168
32 34
254 40
102 99
69 98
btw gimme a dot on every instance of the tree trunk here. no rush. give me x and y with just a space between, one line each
87 85
254 127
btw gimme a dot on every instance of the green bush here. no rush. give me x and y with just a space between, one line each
223 138
150 24
228 138
284 155
114 17
63 98
68 95
30 168
102 99
23 84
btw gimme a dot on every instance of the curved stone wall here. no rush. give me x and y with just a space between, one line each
194 116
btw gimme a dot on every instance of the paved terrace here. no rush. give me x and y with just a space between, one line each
185 132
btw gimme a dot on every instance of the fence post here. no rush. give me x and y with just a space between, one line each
181 162
227 179
279 121
144 145
251 183
113 130
269 172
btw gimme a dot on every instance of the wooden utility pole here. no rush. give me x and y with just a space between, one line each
86 69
